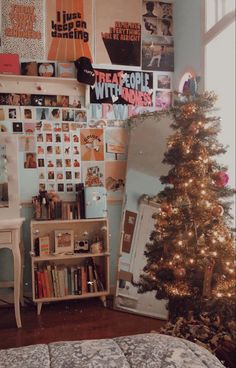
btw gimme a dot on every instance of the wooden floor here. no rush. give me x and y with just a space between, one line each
73 320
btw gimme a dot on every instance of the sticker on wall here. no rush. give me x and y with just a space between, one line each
118 32
23 28
68 29
92 144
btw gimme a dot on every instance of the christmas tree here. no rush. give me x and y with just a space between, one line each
190 256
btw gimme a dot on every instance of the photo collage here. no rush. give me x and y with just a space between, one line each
56 139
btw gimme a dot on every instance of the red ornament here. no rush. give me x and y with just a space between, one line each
217 211
221 178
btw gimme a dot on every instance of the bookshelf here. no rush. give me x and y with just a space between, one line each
71 274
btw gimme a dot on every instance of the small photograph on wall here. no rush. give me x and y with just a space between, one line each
164 81
55 114
42 113
93 174
25 99
26 143
29 128
68 115
63 101
13 99
157 18
163 100
80 116
50 101
115 179
129 225
30 160
2 114
13 113
37 100
5 127
76 101
27 113
17 127
158 53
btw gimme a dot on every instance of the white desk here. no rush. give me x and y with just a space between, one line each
10 237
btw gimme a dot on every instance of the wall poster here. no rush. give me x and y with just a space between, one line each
118 32
157 35
68 29
23 28
118 94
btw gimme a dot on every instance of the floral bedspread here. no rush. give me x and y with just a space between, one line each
151 350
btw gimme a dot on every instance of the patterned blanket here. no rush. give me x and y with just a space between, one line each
138 351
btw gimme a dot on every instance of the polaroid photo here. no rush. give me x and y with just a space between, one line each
51 175
60 187
48 137
25 99
55 114
51 186
57 127
5 128
40 137
58 138
63 101
74 127
2 114
80 116
41 162
29 128
47 126
17 127
30 161
76 163
27 143
50 163
68 162
42 187
12 115
69 187
38 126
59 163
75 138
60 175
13 99
67 150
40 150
66 137
41 175
164 81
77 175
49 150
68 175
68 115
50 101
65 127
76 150
76 101
42 113
37 100
27 113
58 150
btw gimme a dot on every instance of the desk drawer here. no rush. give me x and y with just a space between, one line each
5 237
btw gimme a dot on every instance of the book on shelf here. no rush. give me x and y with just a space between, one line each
44 246
50 280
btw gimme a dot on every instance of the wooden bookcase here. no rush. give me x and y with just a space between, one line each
93 265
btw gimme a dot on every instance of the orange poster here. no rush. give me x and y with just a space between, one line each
92 144
69 29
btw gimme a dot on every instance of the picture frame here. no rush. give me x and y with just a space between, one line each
64 241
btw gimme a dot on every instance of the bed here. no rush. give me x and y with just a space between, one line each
150 350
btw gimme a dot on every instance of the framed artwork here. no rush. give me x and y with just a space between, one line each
64 241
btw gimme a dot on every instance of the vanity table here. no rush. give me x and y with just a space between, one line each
10 220
10 237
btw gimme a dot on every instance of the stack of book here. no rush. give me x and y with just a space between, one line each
53 281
